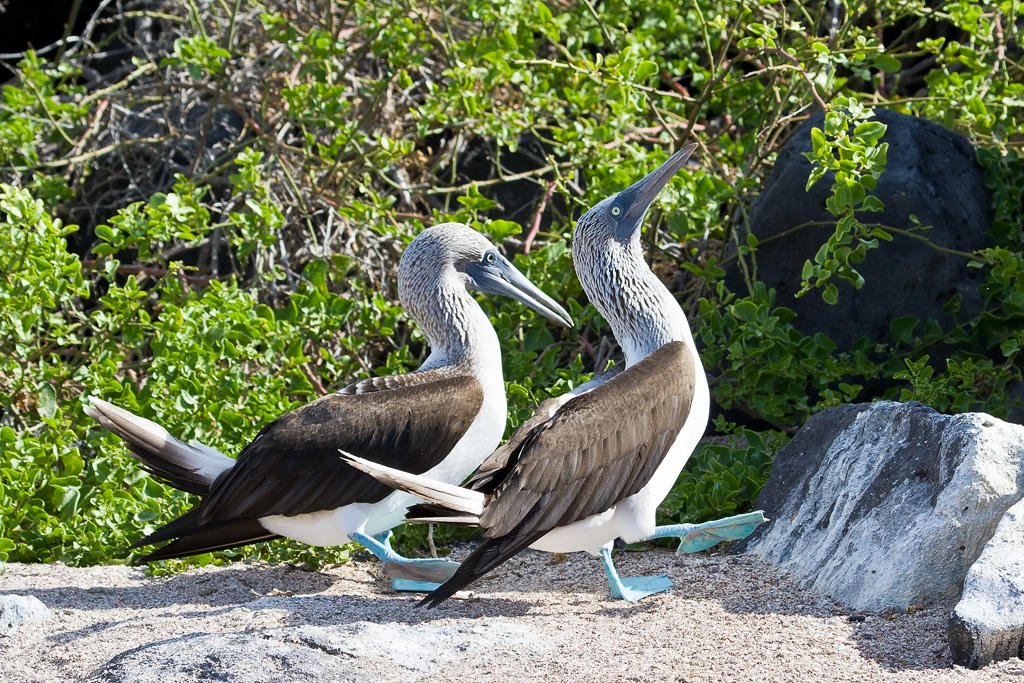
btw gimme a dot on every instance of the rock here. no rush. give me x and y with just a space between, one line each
16 610
351 652
932 174
225 657
988 623
886 504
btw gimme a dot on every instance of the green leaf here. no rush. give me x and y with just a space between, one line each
808 271
902 329
46 401
888 63
818 141
830 295
316 273
543 13
745 311
105 233
645 70
870 132
500 229
872 203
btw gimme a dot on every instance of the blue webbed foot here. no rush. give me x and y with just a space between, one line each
408 586
697 537
631 588
425 570
416 574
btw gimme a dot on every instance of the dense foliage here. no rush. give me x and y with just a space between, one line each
207 235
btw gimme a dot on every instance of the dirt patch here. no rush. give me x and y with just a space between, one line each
728 619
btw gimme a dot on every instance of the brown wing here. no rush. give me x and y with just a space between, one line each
292 467
598 449
488 474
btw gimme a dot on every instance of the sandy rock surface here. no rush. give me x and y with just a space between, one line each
534 619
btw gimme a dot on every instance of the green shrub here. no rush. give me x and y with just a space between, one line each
722 479
211 275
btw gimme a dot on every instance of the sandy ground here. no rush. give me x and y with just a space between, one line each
728 619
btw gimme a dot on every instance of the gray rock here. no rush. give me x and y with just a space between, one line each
225 657
988 623
418 648
888 504
16 610
347 652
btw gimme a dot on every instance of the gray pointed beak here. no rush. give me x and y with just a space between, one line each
501 277
638 197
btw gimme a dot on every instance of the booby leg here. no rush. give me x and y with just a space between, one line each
631 588
407 573
697 537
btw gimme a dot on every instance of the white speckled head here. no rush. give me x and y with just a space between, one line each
438 255
434 273
610 264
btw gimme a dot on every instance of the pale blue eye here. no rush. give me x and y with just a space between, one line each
616 211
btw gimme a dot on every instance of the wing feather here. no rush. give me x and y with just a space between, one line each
596 450
292 467
499 463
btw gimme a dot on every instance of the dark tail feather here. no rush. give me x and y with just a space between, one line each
188 467
430 513
208 538
193 539
185 525
486 557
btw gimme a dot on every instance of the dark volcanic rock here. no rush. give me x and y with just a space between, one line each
931 174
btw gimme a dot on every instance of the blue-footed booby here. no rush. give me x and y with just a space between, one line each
441 421
594 465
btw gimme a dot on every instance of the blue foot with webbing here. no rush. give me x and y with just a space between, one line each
413 574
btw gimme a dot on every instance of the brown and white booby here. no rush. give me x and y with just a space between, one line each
595 464
441 421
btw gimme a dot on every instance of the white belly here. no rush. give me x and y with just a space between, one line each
588 534
334 527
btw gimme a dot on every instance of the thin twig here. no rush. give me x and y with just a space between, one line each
96 153
528 242
151 271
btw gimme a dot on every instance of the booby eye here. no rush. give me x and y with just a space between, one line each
489 257
616 211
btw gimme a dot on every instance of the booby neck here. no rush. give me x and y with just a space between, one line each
642 312
457 330
436 271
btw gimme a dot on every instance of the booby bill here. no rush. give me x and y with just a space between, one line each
441 421
594 465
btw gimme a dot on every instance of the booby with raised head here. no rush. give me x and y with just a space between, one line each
594 465
441 421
